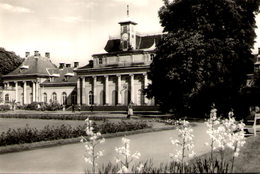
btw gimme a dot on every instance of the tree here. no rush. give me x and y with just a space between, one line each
9 61
204 56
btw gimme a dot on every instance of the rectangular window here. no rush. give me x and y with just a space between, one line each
124 29
100 61
124 44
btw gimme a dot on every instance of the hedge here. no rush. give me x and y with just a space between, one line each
53 116
29 135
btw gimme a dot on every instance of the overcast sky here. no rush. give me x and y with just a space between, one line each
72 30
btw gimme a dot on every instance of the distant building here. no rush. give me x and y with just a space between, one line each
119 76
37 79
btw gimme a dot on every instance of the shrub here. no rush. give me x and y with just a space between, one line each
53 106
5 107
122 126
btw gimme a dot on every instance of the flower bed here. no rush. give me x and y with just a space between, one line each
29 135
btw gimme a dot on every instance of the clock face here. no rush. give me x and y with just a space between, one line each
124 36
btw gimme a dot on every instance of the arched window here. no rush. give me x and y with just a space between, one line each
64 98
54 97
7 99
90 98
139 97
45 99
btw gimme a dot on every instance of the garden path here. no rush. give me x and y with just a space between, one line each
69 158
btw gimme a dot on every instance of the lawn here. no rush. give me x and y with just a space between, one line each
13 123
249 159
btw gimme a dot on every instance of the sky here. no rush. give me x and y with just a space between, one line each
73 30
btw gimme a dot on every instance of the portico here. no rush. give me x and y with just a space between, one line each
22 91
113 89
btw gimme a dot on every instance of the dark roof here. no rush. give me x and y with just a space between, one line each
66 76
33 66
142 42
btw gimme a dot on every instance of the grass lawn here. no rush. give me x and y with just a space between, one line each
249 159
14 123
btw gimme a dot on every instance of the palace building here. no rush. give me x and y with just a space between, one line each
119 76
114 78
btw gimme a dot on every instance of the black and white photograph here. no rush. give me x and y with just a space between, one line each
129 86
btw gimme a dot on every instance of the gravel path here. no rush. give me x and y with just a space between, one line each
69 158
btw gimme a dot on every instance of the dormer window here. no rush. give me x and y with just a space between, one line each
24 68
67 76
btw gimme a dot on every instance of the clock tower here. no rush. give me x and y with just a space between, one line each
127 33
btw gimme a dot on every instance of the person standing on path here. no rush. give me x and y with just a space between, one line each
130 110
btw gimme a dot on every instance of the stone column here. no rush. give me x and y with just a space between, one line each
78 91
16 91
132 88
37 91
94 89
119 102
33 91
24 92
83 90
106 90
145 86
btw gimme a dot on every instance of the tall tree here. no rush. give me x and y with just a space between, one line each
204 56
9 61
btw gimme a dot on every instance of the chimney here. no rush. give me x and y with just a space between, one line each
61 66
36 53
76 64
27 54
90 62
47 54
68 65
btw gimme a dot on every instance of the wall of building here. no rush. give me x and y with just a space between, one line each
59 91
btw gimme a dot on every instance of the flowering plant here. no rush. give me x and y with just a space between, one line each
125 158
225 133
185 142
91 141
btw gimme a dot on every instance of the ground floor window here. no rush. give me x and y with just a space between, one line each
64 98
7 98
54 97
22 98
45 98
74 98
90 98
31 98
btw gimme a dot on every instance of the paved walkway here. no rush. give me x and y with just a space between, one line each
69 158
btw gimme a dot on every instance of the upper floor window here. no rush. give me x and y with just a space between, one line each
151 56
124 29
100 61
